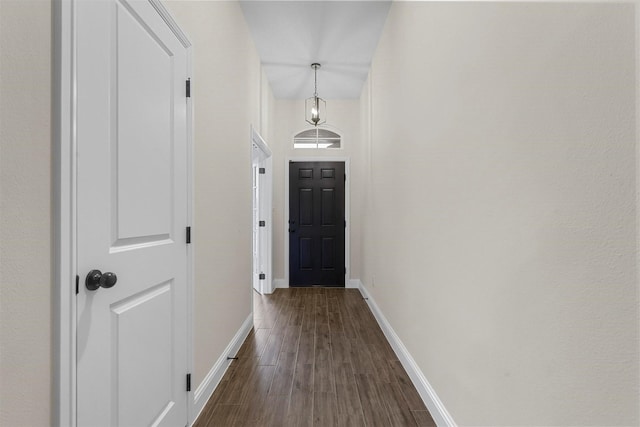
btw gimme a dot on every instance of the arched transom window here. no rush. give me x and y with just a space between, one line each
317 138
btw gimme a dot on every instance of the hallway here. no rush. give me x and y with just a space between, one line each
316 356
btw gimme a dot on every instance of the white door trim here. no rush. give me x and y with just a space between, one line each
64 200
265 209
347 210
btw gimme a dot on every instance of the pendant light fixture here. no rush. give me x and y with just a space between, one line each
315 107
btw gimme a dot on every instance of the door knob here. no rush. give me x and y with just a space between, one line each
96 279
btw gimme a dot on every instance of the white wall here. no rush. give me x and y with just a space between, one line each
25 213
343 116
500 236
227 98
267 110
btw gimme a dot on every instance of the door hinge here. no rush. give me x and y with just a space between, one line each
188 88
188 235
77 284
345 177
188 382
345 223
262 224
345 270
262 276
262 171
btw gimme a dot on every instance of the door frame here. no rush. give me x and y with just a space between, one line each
64 199
347 210
265 208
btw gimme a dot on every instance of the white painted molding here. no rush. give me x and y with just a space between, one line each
439 413
268 288
191 197
261 157
64 218
279 283
171 22
282 283
354 284
260 142
204 391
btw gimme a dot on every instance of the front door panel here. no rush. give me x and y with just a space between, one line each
316 224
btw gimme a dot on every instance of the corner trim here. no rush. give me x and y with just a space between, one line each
208 385
64 213
439 413
354 284
268 288
279 283
171 22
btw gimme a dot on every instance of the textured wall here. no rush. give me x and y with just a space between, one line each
226 97
25 213
501 238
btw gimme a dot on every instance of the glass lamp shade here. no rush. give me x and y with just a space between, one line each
315 111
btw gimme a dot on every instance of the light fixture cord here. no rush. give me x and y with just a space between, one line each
315 81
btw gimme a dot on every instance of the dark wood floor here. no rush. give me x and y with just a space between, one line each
316 357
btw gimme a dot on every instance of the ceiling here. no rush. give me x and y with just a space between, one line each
341 35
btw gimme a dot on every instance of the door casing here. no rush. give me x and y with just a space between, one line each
65 274
347 210
261 157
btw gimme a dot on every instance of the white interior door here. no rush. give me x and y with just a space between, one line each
262 204
132 216
256 226
264 232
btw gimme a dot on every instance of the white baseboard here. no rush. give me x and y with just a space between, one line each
279 283
439 413
268 288
354 284
350 284
211 381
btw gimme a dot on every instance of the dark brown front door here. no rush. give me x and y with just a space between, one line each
316 224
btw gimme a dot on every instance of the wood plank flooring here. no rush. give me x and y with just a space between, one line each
316 357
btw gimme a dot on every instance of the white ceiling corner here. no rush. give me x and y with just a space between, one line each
341 35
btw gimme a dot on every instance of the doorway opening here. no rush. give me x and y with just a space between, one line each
316 224
262 195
